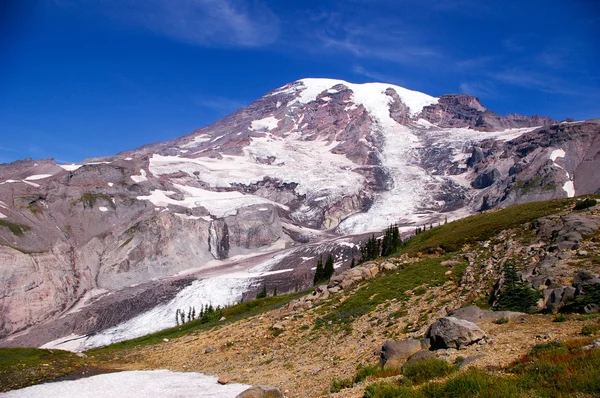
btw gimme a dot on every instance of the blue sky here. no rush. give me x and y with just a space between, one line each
86 78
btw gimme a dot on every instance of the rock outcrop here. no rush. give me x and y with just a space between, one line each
451 332
394 353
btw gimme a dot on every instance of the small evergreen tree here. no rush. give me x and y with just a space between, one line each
263 292
515 294
182 316
328 270
275 291
353 263
319 272
177 316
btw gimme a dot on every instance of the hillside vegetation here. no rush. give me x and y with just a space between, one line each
333 346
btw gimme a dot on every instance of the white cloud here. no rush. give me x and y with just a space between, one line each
479 89
219 104
199 22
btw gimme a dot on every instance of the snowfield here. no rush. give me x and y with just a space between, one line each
134 384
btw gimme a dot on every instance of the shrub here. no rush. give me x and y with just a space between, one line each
584 204
389 390
589 330
362 372
458 359
339 384
375 372
501 321
545 347
426 370
559 318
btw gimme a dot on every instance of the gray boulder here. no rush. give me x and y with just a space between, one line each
475 314
394 353
418 357
451 332
558 298
261 392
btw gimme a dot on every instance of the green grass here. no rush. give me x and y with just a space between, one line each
339 384
426 370
589 330
452 236
232 314
387 286
22 367
89 199
16 229
549 370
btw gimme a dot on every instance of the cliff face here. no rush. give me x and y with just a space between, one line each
304 164
462 110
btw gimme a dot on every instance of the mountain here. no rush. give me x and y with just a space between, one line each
86 250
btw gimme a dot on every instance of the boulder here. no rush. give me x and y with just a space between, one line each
261 392
584 277
469 360
394 353
475 314
558 298
418 357
223 380
451 332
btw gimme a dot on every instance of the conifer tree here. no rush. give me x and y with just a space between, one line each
263 292
177 316
353 263
319 272
328 270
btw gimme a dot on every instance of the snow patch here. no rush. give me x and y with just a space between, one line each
2 215
70 167
103 209
110 184
37 177
269 123
368 94
134 384
196 140
141 178
569 188
557 153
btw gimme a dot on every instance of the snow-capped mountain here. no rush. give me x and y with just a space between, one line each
259 194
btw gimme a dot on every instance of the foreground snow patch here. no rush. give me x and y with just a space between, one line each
133 384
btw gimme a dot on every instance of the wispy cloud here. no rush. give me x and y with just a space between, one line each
379 77
199 22
544 82
221 105
476 63
479 89
368 38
